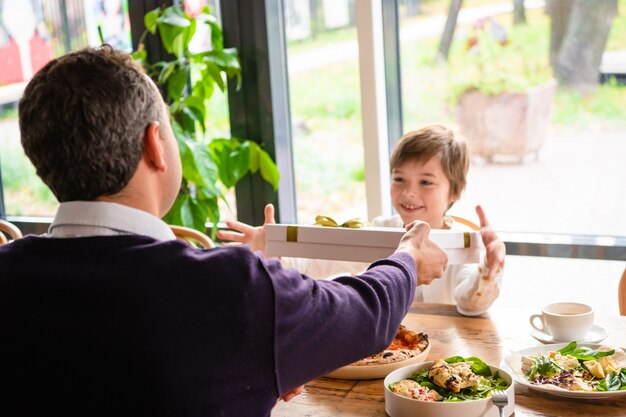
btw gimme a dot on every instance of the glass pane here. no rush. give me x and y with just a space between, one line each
556 168
218 120
55 28
529 283
31 33
325 109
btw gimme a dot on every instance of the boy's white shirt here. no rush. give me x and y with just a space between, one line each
462 285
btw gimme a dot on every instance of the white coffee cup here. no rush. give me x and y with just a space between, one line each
565 322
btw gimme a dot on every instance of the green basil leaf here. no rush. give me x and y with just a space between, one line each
478 366
568 349
613 382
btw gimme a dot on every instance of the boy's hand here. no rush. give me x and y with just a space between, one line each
253 236
429 258
495 249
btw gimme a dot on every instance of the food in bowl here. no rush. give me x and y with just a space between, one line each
453 379
575 368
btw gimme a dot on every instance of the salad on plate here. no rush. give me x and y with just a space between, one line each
577 368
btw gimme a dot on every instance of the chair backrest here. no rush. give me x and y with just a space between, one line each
8 231
466 222
621 294
192 235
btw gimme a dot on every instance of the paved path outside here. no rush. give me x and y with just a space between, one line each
578 185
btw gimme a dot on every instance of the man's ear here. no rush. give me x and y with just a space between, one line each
152 146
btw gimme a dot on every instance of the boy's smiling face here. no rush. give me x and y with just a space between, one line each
421 191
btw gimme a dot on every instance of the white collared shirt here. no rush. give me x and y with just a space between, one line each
97 218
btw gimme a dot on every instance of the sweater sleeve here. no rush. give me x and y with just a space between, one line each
322 325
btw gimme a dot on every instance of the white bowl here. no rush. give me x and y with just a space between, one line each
399 406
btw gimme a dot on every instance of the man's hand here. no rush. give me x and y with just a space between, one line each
430 259
495 249
291 394
253 236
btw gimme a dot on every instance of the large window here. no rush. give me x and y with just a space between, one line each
556 168
323 69
31 33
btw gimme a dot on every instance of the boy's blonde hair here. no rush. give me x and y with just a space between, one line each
423 144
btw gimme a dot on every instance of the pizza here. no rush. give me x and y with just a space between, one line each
405 345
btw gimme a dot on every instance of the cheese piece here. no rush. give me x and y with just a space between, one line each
595 368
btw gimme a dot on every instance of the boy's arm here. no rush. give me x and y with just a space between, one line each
473 292
476 288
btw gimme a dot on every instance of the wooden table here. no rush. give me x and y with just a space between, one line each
490 337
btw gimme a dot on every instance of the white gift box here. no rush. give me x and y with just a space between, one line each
363 244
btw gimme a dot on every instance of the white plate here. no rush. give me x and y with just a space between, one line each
376 371
399 406
595 335
511 363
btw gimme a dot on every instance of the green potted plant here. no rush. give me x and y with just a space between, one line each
187 80
503 95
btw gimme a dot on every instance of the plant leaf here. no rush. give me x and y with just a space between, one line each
206 166
174 26
166 71
177 83
173 16
190 117
217 37
269 170
196 104
239 163
193 213
215 73
173 215
255 150
150 20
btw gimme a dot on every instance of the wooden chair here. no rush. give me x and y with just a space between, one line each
621 294
192 235
8 231
466 222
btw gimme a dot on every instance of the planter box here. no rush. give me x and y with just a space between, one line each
362 245
508 124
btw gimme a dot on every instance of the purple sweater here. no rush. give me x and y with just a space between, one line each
131 326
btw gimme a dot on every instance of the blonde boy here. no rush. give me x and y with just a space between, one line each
428 174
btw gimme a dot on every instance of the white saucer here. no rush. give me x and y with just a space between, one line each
595 335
